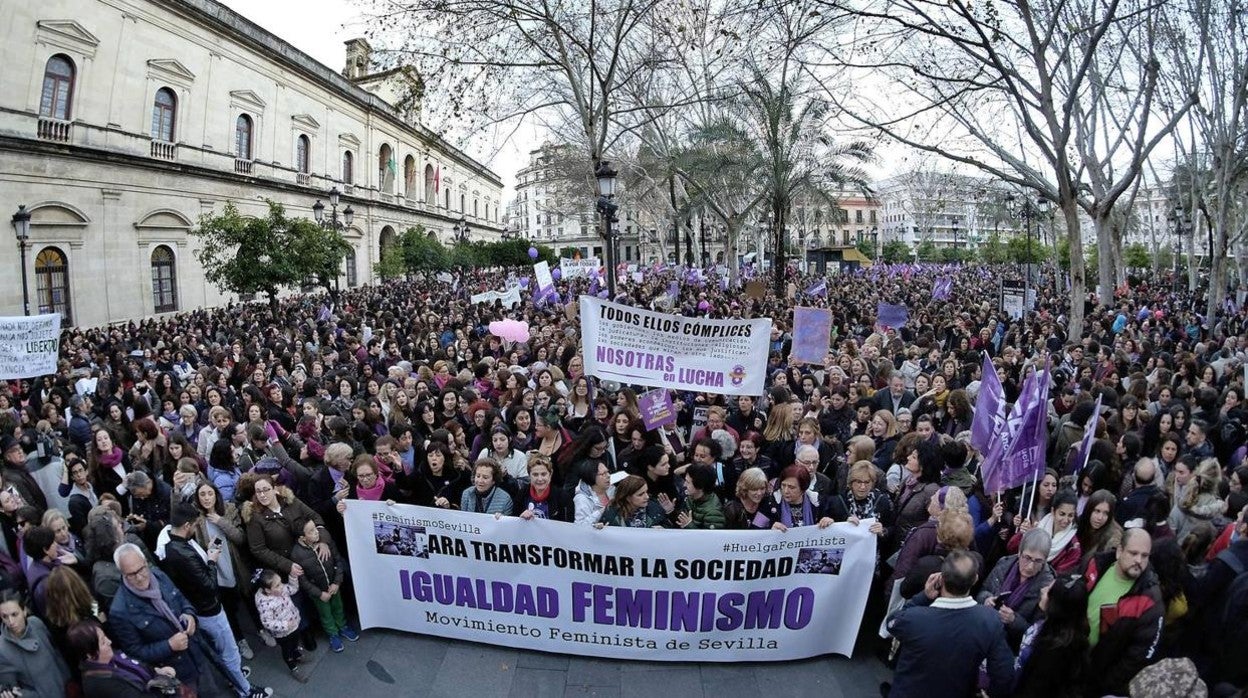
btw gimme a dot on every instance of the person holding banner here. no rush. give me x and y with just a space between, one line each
632 507
486 496
752 509
702 506
593 492
797 504
540 500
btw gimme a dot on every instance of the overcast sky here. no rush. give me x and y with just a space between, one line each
320 27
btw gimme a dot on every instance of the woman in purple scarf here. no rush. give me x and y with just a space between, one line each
109 673
798 505
1013 587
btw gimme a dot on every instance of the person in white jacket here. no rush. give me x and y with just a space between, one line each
593 492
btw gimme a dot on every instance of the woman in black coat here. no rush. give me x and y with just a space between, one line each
1053 660
537 499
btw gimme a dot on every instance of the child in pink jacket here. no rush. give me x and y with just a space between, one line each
280 616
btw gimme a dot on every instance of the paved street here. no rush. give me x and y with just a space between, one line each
386 663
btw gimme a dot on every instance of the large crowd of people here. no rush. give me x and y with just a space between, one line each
175 492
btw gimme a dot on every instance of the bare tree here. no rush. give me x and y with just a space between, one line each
1208 44
1009 88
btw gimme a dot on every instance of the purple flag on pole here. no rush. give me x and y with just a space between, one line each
941 288
1018 456
894 316
989 408
818 289
1089 435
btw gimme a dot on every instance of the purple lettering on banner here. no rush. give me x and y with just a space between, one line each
811 329
656 408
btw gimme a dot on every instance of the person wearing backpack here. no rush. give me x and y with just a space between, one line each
1221 598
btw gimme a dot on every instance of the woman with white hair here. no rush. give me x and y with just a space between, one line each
1013 587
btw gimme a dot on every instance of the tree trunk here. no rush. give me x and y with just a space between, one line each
1217 269
272 294
1104 258
1078 284
780 260
733 229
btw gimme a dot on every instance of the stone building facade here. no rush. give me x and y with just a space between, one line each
124 121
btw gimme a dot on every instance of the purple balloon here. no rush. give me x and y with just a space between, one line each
703 305
532 253
556 273
524 283
604 294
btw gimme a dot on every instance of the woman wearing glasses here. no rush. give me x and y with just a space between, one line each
1013 587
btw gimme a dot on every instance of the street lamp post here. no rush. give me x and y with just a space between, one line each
461 230
21 228
332 223
607 209
1181 222
1025 207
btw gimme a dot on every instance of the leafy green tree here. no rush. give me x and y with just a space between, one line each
895 251
1136 256
927 251
421 252
994 250
1021 252
247 255
866 249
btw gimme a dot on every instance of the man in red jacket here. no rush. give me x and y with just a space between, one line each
1125 612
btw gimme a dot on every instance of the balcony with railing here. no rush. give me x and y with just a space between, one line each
55 129
162 150
303 179
242 166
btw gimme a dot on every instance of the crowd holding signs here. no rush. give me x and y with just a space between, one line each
1017 509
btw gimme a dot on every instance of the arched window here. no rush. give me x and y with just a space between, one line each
52 283
163 112
164 280
58 88
385 169
409 177
387 242
348 167
303 154
242 137
463 203
352 274
448 200
476 203
431 193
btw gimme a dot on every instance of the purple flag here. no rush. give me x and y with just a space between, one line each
1089 435
894 316
1018 456
673 289
941 288
811 329
656 408
989 409
593 285
818 289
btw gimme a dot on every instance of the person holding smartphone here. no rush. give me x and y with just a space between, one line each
194 571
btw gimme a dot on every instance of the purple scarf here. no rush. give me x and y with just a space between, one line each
112 458
786 512
1014 589
152 595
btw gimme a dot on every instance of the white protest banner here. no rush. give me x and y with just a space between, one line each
542 271
29 345
445 277
510 297
578 268
642 347
622 593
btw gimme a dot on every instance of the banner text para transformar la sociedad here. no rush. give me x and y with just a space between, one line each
637 346
616 592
